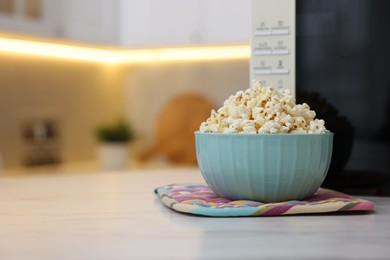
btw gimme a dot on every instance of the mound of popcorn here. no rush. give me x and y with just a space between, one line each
263 110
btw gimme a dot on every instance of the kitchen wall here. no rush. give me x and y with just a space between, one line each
76 96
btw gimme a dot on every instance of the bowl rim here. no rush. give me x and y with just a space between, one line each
199 133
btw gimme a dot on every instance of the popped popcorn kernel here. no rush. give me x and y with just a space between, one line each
263 110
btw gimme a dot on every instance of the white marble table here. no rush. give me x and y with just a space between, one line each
117 216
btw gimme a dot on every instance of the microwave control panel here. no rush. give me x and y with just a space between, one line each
273 43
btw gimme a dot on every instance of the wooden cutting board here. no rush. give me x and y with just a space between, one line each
175 127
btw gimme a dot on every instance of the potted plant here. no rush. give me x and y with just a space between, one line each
114 139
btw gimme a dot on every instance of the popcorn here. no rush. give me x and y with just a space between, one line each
263 110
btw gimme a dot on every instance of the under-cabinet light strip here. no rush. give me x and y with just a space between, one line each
122 56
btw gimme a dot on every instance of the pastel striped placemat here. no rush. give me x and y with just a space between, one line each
199 199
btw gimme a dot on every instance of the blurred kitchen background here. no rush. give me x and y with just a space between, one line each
68 66
52 97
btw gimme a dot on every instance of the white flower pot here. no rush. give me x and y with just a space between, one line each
113 156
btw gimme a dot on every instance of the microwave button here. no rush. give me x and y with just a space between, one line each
261 52
263 72
262 32
280 71
280 51
280 31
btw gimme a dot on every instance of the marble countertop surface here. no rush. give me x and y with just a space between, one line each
116 215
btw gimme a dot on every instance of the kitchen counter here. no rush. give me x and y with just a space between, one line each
80 167
116 215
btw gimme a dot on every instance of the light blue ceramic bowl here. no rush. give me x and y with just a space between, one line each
264 167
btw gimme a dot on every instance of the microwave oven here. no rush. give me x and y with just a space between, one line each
335 56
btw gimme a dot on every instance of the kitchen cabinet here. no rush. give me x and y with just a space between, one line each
153 22
31 17
226 21
137 23
176 22
89 21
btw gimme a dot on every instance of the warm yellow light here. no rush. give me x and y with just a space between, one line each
119 56
55 50
185 54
